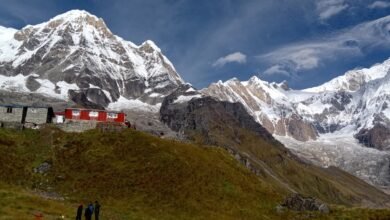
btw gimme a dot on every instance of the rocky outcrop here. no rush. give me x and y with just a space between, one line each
199 113
377 137
267 104
299 129
300 203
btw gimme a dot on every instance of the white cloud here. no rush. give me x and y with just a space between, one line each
353 42
329 8
277 69
379 4
236 57
306 58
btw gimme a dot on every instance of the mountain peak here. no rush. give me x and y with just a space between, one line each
78 58
77 19
354 79
150 46
75 13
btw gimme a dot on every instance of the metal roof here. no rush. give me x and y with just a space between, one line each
22 106
96 110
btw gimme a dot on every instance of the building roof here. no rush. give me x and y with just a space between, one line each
96 110
21 106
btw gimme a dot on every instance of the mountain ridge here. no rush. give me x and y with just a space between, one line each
350 110
75 51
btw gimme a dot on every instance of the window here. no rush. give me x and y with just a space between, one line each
93 114
112 115
75 113
9 109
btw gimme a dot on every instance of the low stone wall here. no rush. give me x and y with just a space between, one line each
12 125
110 127
77 126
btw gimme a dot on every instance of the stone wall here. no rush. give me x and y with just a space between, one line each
12 125
77 126
37 115
15 116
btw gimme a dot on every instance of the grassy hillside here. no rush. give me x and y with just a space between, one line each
208 121
135 176
331 185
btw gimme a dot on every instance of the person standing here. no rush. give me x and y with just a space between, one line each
79 212
97 210
91 209
88 213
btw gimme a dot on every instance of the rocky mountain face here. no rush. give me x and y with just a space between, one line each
208 121
357 101
268 103
74 56
343 115
177 111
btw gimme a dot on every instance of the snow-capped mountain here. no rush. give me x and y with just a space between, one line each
328 124
75 56
269 103
357 100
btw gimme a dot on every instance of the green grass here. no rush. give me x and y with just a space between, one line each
330 185
19 203
136 176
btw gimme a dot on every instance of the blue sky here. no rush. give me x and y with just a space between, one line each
305 42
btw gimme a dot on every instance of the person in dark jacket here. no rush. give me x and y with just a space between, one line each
79 212
88 213
90 206
97 210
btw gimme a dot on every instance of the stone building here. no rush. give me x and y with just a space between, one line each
11 115
39 115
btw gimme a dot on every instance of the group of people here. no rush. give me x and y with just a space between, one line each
89 211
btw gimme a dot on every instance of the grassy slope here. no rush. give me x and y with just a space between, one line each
331 185
19 203
135 176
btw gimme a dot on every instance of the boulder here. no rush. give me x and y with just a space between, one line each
43 168
298 202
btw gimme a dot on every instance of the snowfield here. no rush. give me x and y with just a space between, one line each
123 104
345 152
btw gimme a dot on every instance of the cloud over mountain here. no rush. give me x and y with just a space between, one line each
329 8
236 57
308 55
379 4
